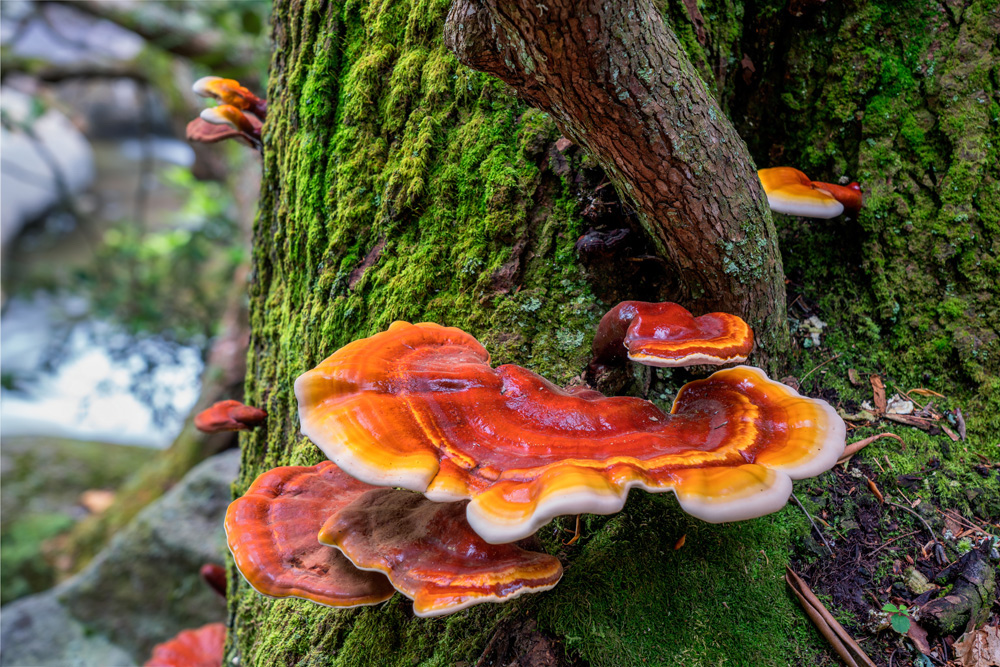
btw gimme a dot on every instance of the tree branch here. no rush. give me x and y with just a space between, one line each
166 30
617 82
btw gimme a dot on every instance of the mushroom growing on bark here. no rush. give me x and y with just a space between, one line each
431 555
667 335
202 647
204 132
229 91
229 416
418 406
272 528
229 116
790 191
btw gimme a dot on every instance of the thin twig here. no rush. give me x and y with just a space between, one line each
911 399
926 525
803 378
856 447
887 543
818 531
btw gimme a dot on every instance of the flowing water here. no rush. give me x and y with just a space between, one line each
66 373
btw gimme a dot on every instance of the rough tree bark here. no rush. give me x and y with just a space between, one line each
618 82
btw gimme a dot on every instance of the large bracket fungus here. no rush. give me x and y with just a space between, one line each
790 191
272 531
668 335
431 555
418 406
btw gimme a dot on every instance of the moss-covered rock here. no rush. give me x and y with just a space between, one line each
41 480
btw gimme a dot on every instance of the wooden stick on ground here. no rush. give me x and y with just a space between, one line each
832 631
856 447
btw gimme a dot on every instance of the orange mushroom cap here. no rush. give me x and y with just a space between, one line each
272 531
226 114
203 647
431 555
790 191
215 576
419 407
229 91
667 335
229 416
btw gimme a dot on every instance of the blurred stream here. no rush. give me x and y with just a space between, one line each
67 373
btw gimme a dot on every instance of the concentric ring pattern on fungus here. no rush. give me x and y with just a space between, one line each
418 406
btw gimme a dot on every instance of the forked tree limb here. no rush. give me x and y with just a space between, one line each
617 82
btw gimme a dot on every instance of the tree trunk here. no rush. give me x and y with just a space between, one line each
401 185
617 82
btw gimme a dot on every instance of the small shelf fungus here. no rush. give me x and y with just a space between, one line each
419 407
229 416
668 335
229 91
272 530
225 115
431 555
790 191
202 647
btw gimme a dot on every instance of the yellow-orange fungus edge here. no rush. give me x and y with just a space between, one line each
791 192
418 406
431 555
271 531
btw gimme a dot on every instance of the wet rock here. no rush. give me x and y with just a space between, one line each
49 155
142 589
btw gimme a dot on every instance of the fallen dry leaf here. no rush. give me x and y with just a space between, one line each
874 489
852 375
919 638
960 418
920 391
979 648
680 542
879 390
97 500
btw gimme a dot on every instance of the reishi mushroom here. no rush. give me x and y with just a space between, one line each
202 647
208 133
230 116
215 577
419 407
668 335
790 191
431 555
229 91
229 416
271 531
